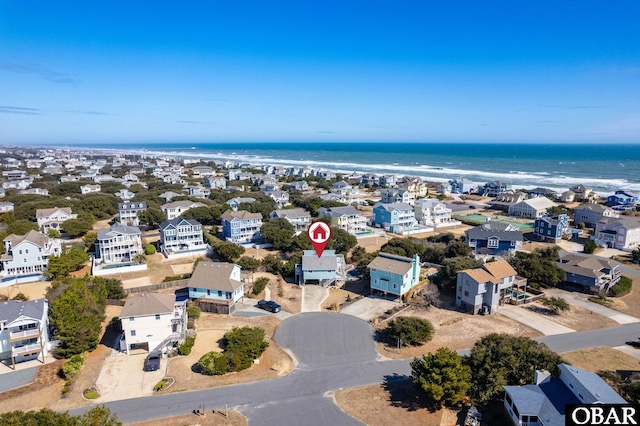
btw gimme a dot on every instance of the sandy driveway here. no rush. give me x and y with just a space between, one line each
369 307
122 377
533 320
312 297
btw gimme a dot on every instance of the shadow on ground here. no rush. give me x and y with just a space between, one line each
403 394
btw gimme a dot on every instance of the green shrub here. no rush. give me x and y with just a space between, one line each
149 249
185 348
260 284
243 345
161 385
556 304
71 368
622 287
91 394
589 247
193 311
410 331
213 364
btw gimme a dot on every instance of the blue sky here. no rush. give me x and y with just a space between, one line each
209 71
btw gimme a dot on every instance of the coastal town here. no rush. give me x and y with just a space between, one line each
176 279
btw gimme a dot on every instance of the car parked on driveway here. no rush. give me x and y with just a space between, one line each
269 305
152 363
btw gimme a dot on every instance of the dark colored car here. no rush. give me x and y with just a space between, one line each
269 305
152 363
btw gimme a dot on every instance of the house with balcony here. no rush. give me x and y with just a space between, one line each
388 181
483 288
124 194
26 257
280 197
622 198
544 402
300 185
326 270
590 274
591 213
346 218
241 226
215 182
532 208
34 191
461 186
216 286
90 188
53 218
299 218
551 228
24 330
153 321
432 212
494 239
182 237
198 192
128 212
116 249
234 203
621 233
395 195
494 188
397 217
392 274
542 192
582 192
176 208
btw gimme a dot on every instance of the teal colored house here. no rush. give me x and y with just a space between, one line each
325 270
216 286
392 274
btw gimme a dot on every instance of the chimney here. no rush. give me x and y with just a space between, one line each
541 376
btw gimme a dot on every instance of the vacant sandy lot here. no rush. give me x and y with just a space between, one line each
33 291
577 318
209 419
601 358
350 289
630 303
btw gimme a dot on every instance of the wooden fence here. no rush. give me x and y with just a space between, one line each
153 287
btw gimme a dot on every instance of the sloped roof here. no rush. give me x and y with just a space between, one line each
394 206
339 211
311 261
132 205
598 208
396 264
32 236
11 310
182 203
177 220
240 214
48 212
586 266
148 304
214 276
482 233
105 234
292 213
492 272
539 203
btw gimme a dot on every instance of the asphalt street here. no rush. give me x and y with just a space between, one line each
335 351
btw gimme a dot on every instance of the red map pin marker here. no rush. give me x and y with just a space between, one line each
319 233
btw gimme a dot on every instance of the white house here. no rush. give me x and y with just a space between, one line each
153 321
119 243
124 194
621 233
182 237
24 330
6 207
176 208
395 195
26 256
299 218
89 188
532 208
346 218
53 218
128 212
431 212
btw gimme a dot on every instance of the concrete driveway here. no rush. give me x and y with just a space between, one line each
248 308
369 307
312 297
122 377
581 299
533 320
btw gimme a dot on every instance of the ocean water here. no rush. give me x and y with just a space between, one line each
606 168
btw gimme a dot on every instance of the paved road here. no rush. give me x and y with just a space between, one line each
303 397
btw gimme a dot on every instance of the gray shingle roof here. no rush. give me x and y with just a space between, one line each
338 211
311 261
177 220
214 276
395 264
14 309
133 205
148 304
481 233
105 234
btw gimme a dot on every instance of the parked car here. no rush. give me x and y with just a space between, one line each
269 305
152 363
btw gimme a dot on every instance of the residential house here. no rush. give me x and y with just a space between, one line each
153 321
26 257
181 237
542 192
125 194
432 212
2 192
24 330
280 197
118 244
347 193
15 174
341 188
53 170
591 274
395 195
198 192
176 208
301 186
622 233
388 181
346 218
533 208
53 218
234 203
494 239
396 217
506 200
17 184
128 212
169 195
241 226
567 197
461 186
299 218
216 286
544 403
215 182
591 213
494 188
583 192
324 270
34 191
203 171
6 207
483 288
551 228
392 274
622 197
89 188
416 186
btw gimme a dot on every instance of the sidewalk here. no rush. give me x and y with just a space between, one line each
533 320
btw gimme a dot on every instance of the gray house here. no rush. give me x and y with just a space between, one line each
591 274
484 288
590 214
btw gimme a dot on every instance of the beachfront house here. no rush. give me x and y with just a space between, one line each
346 218
388 181
494 188
53 218
299 218
241 226
326 270
432 212
621 233
542 192
128 212
483 288
26 257
533 208
494 239
590 214
24 330
392 274
216 286
622 198
590 274
176 208
551 228
544 402
461 186
567 197
582 192
152 321
395 217
396 195
182 237
118 244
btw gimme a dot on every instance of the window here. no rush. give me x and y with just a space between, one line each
395 286
459 288
26 251
533 419
466 293
133 333
130 319
219 293
157 316
20 251
208 292
492 242
495 289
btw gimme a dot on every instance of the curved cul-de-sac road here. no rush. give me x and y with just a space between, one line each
334 351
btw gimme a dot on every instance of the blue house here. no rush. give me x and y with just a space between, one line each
216 286
394 274
394 217
551 228
621 197
325 270
461 186
241 226
494 239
